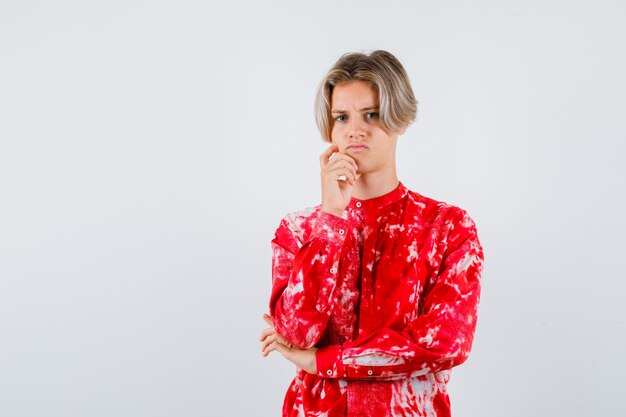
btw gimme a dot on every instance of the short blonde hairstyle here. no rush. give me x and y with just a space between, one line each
385 74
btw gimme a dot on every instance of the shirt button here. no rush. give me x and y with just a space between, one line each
370 372
341 231
358 204
329 372
333 270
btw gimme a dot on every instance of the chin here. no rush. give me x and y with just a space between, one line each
363 169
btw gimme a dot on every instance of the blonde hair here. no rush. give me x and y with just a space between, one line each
385 74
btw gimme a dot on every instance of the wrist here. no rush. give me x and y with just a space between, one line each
313 363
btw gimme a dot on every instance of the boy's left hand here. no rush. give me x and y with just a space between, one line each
302 358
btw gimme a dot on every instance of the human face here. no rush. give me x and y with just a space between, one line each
356 128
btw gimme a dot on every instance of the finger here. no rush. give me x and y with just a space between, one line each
268 342
282 349
267 332
347 165
283 341
338 165
344 175
271 339
344 158
325 156
343 170
353 162
275 346
267 349
272 330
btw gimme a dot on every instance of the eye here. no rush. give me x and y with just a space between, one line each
371 115
340 118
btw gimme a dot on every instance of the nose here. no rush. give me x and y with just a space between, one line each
357 128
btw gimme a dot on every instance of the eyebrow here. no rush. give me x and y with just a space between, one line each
363 109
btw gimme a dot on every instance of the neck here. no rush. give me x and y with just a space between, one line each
375 184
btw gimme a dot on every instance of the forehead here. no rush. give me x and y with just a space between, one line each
356 94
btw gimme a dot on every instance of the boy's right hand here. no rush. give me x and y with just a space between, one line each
336 194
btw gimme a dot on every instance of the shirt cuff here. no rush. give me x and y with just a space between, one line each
329 362
330 227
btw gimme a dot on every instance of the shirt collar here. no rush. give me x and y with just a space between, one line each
394 195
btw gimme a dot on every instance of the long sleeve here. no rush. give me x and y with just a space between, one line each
438 338
304 276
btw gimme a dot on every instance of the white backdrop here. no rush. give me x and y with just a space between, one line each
149 149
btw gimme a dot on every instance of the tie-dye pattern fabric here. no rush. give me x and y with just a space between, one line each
388 293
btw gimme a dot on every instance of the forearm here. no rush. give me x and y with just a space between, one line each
439 338
388 355
304 282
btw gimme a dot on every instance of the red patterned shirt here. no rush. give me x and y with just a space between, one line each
388 293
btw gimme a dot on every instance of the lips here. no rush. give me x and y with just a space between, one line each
357 147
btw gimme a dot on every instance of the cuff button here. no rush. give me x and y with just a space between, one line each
329 372
370 372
